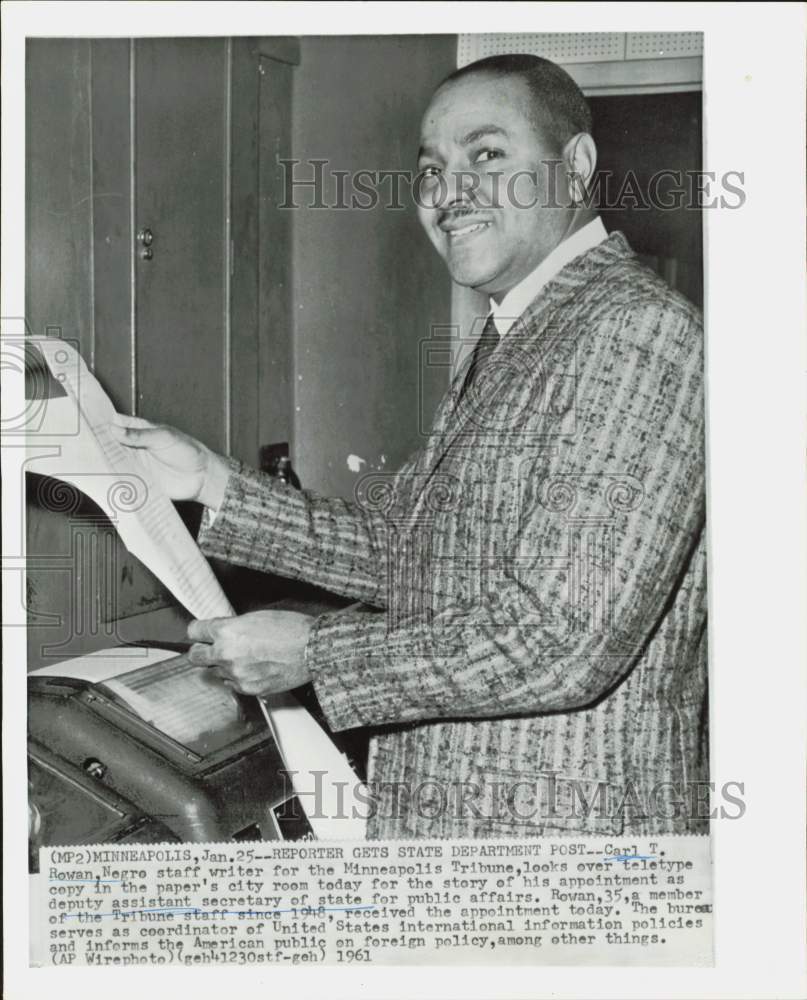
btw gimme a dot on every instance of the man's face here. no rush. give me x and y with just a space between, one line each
489 191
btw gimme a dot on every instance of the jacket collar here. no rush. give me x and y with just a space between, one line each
517 299
572 278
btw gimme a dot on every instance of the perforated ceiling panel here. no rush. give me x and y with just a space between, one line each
663 44
568 48
561 47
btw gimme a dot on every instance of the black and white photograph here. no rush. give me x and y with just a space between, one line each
369 478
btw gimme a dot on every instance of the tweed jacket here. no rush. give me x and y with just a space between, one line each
538 662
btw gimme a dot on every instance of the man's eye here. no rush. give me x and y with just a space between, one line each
488 154
431 171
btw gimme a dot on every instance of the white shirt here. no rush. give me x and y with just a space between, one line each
517 299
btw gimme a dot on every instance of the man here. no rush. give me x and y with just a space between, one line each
541 665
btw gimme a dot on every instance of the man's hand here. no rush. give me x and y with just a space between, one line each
184 467
262 652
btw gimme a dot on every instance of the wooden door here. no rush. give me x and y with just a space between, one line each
164 135
181 198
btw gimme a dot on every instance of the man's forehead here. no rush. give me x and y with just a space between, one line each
467 105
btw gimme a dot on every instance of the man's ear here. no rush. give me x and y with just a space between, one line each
580 161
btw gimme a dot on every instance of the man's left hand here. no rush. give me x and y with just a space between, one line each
260 653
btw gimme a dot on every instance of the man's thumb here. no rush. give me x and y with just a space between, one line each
136 437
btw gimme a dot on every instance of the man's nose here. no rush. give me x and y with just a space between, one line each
460 188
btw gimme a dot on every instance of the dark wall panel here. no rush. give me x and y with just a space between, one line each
638 136
275 319
111 226
244 233
58 189
368 285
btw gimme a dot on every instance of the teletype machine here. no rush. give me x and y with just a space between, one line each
136 744
147 747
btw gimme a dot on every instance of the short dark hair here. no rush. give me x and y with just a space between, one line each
559 108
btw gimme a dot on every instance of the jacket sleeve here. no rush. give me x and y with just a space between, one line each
335 544
600 536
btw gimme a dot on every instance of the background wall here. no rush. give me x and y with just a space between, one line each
640 135
78 251
250 325
367 284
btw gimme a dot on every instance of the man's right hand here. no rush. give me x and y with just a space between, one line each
184 467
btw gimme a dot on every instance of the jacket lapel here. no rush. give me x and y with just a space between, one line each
527 335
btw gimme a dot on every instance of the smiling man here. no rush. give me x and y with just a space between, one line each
541 664
498 141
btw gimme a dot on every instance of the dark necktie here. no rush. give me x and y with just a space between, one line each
485 346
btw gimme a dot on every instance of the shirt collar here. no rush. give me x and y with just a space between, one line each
517 299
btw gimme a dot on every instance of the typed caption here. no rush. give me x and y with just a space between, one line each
556 901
